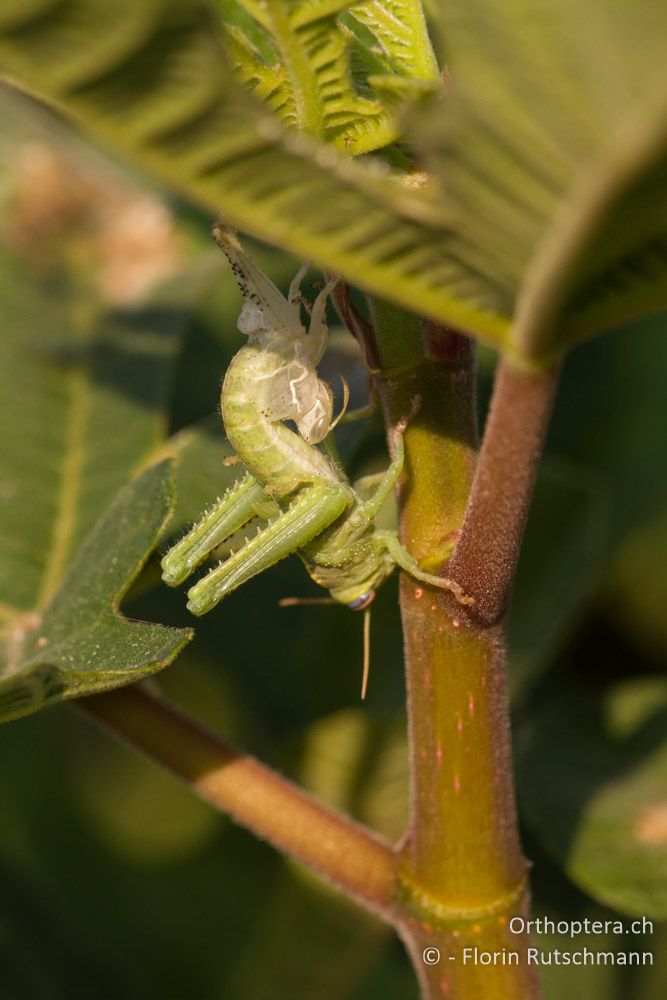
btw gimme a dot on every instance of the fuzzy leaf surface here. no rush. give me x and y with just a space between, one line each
84 387
307 63
151 78
82 392
552 149
545 218
80 644
592 778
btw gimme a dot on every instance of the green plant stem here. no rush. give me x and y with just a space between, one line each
460 875
462 872
357 862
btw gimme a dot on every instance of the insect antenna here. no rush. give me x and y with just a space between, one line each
294 602
346 400
367 652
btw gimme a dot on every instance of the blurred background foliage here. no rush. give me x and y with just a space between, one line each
114 880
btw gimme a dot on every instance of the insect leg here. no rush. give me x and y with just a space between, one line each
360 412
368 482
312 510
389 478
402 558
294 294
317 329
243 501
320 304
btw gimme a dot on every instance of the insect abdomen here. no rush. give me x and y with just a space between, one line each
277 456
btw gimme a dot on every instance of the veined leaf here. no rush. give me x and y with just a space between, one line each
396 31
150 77
83 388
82 398
307 81
545 220
200 473
80 644
553 148
301 58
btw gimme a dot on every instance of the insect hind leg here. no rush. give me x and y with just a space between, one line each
245 500
313 509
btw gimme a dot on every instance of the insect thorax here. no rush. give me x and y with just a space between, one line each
362 569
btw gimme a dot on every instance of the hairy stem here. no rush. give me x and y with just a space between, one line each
357 862
463 875
485 559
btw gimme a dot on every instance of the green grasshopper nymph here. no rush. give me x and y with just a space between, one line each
304 498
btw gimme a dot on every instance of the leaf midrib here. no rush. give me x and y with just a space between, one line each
302 79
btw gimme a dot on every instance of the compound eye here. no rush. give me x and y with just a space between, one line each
359 603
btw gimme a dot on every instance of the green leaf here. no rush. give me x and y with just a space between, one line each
80 643
592 780
545 220
611 421
552 147
151 79
82 395
201 475
308 66
637 586
84 386
395 31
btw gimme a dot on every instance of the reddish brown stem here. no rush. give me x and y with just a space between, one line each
359 327
485 559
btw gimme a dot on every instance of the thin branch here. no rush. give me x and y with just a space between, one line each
354 860
360 328
485 558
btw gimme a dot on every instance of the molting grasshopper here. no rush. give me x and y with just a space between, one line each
302 496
